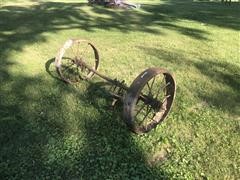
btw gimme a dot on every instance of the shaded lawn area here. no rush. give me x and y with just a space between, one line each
50 130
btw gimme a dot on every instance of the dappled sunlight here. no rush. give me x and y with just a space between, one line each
49 129
25 24
221 82
41 132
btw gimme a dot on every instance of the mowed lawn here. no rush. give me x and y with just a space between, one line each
51 130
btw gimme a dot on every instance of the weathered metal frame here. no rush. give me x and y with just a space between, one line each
123 93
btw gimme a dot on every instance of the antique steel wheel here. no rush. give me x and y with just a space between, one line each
149 99
72 58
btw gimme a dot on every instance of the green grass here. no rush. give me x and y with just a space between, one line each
50 130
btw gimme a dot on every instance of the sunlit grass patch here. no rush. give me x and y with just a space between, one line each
51 130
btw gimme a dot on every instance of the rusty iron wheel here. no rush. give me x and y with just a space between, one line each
71 58
149 100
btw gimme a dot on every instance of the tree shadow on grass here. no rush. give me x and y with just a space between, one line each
223 88
227 75
111 151
26 126
41 135
208 12
45 136
22 25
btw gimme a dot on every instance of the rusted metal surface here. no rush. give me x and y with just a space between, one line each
158 107
75 58
146 102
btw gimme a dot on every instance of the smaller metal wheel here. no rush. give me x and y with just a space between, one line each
149 99
72 58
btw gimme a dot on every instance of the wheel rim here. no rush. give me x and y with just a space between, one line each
72 57
159 93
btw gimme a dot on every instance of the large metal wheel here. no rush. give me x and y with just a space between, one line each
149 99
72 57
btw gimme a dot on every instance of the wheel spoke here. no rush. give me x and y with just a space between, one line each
152 82
162 88
165 85
71 47
85 49
140 109
147 112
148 86
165 98
150 91
158 91
153 97
76 54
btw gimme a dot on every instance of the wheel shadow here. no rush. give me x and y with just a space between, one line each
61 132
110 150
50 69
